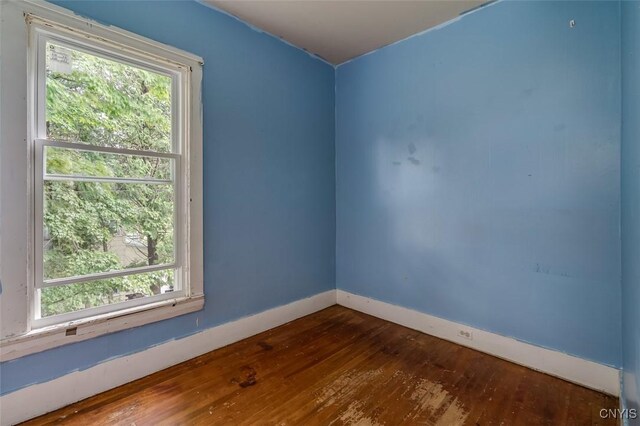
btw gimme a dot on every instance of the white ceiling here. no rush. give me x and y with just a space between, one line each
338 30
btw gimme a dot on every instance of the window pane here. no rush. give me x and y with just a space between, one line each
94 227
74 297
103 102
63 161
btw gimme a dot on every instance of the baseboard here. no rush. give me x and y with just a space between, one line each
571 368
42 398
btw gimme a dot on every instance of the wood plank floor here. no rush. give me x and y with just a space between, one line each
341 367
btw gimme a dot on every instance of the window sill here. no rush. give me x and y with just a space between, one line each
75 331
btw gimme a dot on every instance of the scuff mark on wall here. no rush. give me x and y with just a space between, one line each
545 269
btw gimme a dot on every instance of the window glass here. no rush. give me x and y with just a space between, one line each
92 227
99 101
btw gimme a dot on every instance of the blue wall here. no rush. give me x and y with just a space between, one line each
269 193
631 202
478 174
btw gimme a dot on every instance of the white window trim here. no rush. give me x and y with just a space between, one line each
17 206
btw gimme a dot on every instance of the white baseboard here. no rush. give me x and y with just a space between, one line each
573 369
42 398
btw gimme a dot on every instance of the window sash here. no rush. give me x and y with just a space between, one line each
81 146
105 309
109 51
57 282
42 176
106 179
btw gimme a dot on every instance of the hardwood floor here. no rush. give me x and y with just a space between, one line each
342 367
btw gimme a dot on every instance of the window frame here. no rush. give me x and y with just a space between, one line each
22 333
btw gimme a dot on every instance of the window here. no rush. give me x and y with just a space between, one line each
114 137
107 160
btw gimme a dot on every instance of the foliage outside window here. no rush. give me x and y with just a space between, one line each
104 209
